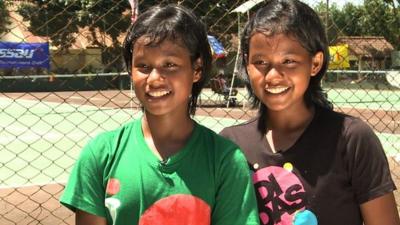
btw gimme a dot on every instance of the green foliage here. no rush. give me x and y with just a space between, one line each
110 17
349 20
381 19
375 17
54 19
4 17
59 20
215 14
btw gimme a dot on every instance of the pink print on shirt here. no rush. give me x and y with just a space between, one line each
180 209
113 186
280 194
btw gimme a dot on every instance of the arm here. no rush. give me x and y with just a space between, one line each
371 178
84 218
382 210
85 190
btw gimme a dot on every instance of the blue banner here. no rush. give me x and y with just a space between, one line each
24 55
217 49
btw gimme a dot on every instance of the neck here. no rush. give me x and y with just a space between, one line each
284 128
290 120
166 136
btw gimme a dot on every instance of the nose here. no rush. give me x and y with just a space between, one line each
273 73
154 75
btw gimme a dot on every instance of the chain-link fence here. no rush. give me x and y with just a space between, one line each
49 109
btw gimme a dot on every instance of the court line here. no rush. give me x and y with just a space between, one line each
31 185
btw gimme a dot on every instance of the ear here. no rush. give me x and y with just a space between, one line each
317 62
198 65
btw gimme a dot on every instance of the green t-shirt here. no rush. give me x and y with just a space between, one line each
118 177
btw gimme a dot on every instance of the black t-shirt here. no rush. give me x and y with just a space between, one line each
337 164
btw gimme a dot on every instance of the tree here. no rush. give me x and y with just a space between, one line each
111 19
4 17
54 19
340 22
381 19
61 21
348 20
375 17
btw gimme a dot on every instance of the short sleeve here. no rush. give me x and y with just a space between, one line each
226 133
85 190
235 200
369 168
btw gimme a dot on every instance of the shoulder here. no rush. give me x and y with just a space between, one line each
354 126
218 146
248 127
328 116
211 136
225 156
107 142
348 126
247 136
360 140
357 140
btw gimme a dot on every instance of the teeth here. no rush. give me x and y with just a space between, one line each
276 90
158 93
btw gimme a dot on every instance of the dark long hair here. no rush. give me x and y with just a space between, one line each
298 20
173 22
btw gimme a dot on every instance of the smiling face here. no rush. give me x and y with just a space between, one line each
163 75
279 69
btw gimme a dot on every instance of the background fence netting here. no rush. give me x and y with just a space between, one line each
74 85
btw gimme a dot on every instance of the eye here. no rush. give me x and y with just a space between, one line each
170 65
289 62
260 63
143 68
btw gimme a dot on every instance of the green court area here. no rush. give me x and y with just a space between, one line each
40 141
349 98
366 99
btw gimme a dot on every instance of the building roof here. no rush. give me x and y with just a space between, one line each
84 39
366 46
